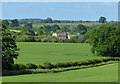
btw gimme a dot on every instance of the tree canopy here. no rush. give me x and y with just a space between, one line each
9 49
105 41
102 20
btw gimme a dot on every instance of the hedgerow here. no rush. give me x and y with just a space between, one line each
59 67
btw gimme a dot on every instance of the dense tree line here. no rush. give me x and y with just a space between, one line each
44 33
50 20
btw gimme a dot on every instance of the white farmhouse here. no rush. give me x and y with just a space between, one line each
60 35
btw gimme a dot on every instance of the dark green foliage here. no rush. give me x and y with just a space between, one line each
49 20
65 28
14 23
28 26
25 38
28 32
40 31
59 67
31 66
5 23
102 20
55 27
80 63
9 49
18 66
105 41
81 29
47 28
16 72
46 66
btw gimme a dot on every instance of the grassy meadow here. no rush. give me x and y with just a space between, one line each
38 25
38 53
106 73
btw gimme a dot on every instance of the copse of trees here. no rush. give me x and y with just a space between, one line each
14 23
28 26
50 20
66 28
105 41
29 34
46 28
5 23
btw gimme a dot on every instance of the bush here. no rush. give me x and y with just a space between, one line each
46 65
18 66
31 66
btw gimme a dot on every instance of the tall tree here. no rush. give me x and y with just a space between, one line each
9 49
81 29
55 28
102 20
49 20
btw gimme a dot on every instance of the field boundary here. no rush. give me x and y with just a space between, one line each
32 69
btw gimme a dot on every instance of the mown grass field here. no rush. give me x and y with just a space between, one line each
106 73
38 53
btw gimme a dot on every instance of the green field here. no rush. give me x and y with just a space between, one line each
38 25
37 53
106 73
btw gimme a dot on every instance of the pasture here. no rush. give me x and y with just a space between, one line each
38 53
38 25
106 73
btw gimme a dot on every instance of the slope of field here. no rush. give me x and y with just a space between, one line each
38 25
37 53
106 73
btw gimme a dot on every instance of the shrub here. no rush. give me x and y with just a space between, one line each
46 65
31 66
18 66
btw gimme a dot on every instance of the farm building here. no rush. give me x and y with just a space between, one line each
63 35
60 35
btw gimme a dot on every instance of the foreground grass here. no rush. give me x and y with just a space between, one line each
106 73
38 53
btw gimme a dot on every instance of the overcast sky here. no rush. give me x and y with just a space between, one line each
60 10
